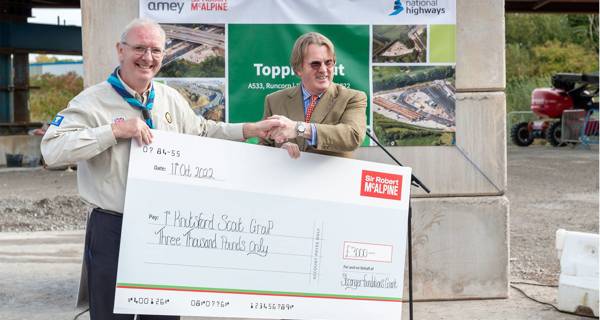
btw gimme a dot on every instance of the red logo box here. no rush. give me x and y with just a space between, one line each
381 185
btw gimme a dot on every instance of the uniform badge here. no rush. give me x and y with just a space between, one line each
57 120
168 117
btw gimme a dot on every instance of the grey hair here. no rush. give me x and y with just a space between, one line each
301 45
141 22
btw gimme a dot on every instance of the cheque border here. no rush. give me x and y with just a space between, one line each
255 292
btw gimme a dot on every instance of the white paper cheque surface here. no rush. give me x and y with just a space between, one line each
228 229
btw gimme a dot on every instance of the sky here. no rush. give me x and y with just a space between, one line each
70 17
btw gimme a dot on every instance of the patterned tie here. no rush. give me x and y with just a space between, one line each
311 108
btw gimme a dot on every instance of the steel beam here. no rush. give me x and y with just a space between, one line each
39 38
21 87
5 76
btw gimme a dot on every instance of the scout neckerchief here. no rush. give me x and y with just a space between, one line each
114 81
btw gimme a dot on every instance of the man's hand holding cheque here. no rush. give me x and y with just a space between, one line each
287 129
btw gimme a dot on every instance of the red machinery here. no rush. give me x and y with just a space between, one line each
569 91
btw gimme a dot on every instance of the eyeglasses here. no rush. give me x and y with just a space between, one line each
141 50
316 65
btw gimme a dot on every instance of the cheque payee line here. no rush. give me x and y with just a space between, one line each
123 285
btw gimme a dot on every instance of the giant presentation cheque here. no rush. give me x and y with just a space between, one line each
228 229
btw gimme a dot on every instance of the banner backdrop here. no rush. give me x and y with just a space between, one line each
225 56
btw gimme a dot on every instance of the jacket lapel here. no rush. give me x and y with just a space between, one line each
296 108
325 104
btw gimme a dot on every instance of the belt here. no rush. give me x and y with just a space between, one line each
105 211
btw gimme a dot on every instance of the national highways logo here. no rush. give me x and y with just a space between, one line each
397 8
420 7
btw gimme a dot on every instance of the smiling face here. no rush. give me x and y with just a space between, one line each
317 69
137 70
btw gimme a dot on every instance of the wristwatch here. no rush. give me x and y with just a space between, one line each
300 129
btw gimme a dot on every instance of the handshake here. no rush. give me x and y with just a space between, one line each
277 128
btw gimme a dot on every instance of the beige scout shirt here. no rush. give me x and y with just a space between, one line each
85 136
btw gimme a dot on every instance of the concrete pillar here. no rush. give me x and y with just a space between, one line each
99 38
21 84
460 230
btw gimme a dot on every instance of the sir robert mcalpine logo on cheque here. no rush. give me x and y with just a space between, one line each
381 185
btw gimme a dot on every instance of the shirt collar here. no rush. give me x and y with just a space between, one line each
134 93
306 95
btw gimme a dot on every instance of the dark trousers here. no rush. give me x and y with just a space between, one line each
102 239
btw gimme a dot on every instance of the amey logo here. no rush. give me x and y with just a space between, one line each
420 7
397 8
176 6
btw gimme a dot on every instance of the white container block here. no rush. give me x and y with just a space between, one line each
579 274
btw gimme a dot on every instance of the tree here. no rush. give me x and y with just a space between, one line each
42 58
53 95
556 56
538 45
585 30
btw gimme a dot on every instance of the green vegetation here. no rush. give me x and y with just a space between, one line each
392 132
391 33
42 58
387 78
539 45
212 67
53 95
388 34
518 97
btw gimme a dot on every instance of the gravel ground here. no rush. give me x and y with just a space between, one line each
549 189
40 200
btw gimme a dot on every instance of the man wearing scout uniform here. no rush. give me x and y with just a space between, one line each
96 129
